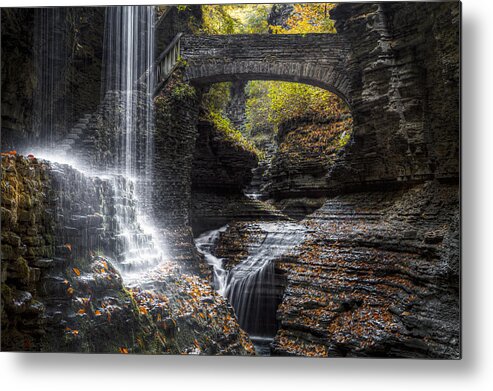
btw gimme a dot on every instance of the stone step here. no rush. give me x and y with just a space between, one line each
77 130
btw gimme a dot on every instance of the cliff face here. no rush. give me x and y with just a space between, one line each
220 165
404 67
378 276
297 173
36 107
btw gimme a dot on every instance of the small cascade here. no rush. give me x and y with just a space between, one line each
252 285
205 244
137 248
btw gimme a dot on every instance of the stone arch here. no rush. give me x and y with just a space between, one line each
325 77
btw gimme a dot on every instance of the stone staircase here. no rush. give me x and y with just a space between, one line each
76 143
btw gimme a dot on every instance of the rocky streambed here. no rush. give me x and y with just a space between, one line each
372 274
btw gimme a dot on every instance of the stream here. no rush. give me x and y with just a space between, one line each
252 286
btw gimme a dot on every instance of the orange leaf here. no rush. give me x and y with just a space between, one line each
81 311
70 291
123 350
76 271
143 310
69 246
97 313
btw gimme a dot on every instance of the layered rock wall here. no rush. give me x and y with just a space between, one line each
36 106
378 276
404 72
221 170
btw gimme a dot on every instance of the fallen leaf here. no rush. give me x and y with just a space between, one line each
76 271
143 310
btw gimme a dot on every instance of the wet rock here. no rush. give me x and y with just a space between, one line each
361 285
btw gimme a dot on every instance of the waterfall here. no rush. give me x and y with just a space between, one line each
129 52
50 62
251 286
127 89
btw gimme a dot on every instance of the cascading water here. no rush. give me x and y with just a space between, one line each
129 48
251 286
127 78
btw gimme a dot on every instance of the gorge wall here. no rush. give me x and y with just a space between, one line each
35 106
404 60
221 170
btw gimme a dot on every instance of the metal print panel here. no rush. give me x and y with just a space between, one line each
251 180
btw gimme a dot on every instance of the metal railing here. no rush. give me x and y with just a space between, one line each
166 62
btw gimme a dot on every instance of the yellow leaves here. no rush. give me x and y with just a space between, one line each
308 18
70 290
123 350
270 103
76 271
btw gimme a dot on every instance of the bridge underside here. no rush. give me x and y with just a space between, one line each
311 74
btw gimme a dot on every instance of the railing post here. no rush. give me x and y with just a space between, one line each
167 61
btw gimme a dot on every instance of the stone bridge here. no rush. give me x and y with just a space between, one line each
315 59
400 82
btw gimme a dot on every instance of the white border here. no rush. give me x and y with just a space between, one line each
473 372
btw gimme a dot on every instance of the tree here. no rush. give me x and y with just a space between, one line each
308 18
